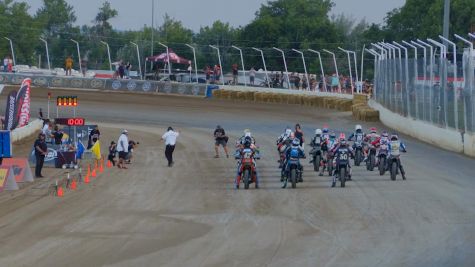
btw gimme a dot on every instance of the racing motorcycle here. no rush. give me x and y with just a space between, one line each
382 158
281 148
342 173
358 153
293 170
393 163
317 154
371 161
329 163
247 169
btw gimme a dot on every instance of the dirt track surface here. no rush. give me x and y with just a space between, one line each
189 215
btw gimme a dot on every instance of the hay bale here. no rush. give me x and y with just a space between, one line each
258 97
360 99
241 96
217 93
225 94
345 105
249 95
233 95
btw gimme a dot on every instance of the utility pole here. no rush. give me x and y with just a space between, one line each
153 32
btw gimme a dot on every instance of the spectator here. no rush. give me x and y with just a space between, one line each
220 140
297 82
128 67
299 134
10 64
170 141
335 83
84 66
6 61
57 135
41 149
69 65
123 149
235 73
252 75
121 70
208 73
112 153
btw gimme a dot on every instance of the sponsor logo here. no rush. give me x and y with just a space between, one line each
131 85
11 111
195 90
41 81
97 83
146 86
116 84
168 87
2 78
181 90
25 109
51 154
58 82
76 83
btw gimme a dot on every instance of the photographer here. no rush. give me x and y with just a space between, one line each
220 139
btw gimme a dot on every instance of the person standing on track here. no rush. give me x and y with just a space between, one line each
220 140
299 134
41 149
170 141
123 149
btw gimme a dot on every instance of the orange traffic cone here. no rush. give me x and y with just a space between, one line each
94 174
101 168
73 184
88 170
109 164
59 191
86 179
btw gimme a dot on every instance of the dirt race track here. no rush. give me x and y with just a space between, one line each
189 215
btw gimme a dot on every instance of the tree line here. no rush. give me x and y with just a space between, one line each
286 24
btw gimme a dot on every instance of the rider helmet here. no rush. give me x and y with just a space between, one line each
288 131
318 132
247 133
343 142
373 130
394 137
325 130
358 127
292 135
247 142
296 142
342 137
332 135
385 134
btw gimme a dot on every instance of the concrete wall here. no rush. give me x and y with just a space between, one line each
445 138
32 128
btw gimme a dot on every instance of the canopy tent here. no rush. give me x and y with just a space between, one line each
174 58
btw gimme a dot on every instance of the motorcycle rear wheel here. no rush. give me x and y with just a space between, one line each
393 170
293 177
246 177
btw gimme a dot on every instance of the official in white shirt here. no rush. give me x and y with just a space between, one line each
170 140
123 148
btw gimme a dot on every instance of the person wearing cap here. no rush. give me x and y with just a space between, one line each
170 141
41 149
220 140
123 149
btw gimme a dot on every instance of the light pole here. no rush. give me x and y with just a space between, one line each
138 58
470 72
431 70
108 54
336 68
349 65
321 67
194 59
265 67
219 60
47 52
406 58
168 59
376 69
304 67
79 54
242 63
11 48
356 64
285 65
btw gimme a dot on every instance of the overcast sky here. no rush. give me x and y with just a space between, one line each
133 14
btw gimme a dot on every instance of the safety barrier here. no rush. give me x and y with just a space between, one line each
129 85
442 137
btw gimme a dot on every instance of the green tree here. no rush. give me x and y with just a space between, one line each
102 25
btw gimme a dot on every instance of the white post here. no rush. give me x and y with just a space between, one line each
194 59
13 51
456 115
336 68
321 68
219 60
79 54
242 63
108 54
304 67
138 58
376 56
349 66
362 65
431 69
416 74
285 65
470 59
265 67
168 59
47 52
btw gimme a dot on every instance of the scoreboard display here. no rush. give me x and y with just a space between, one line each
70 121
67 101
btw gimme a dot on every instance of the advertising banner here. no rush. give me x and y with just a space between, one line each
22 104
10 112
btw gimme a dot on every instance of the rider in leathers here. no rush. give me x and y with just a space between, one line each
246 144
369 139
340 151
395 147
358 135
300 153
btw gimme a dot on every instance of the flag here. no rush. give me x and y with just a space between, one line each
80 149
22 105
96 150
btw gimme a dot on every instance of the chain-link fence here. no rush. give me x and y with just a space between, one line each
430 88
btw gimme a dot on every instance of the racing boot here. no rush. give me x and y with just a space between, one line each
300 175
403 173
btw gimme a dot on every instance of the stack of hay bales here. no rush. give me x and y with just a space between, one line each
361 110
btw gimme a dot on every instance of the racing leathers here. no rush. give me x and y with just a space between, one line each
359 137
395 148
342 154
247 151
294 152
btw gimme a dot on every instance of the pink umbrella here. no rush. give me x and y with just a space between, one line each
174 58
